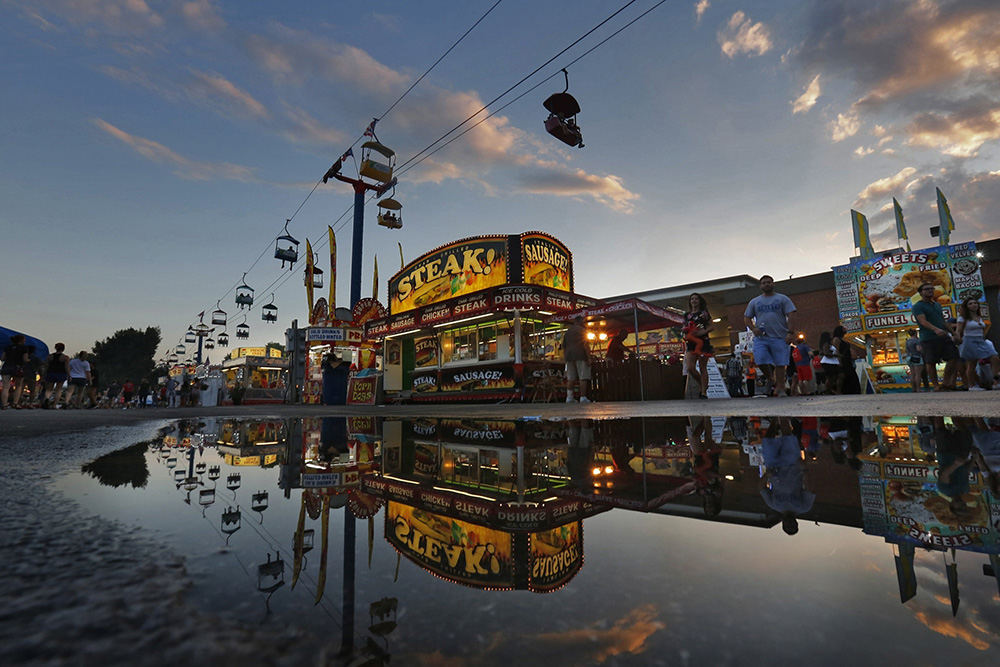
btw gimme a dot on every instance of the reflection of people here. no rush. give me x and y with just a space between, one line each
705 466
581 453
954 454
783 484
697 326
577 358
334 380
767 316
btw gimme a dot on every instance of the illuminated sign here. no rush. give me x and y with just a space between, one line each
452 270
255 352
361 390
546 262
556 556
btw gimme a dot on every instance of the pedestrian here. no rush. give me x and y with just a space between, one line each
819 374
15 366
111 395
936 339
143 392
829 361
577 358
128 391
171 392
697 326
914 359
56 375
767 316
751 379
847 376
974 346
79 379
617 350
734 376
94 385
802 356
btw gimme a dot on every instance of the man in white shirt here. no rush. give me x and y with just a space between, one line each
79 378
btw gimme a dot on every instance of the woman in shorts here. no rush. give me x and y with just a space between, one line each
56 374
697 326
974 346
13 370
915 359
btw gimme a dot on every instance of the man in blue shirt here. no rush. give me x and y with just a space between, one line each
935 338
767 316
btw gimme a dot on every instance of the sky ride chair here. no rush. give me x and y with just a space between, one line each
372 167
389 214
561 123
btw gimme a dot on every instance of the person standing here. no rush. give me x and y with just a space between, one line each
802 356
577 358
94 385
617 350
829 361
751 379
734 376
56 374
143 392
936 339
697 326
15 365
914 360
974 346
128 390
171 392
767 316
79 378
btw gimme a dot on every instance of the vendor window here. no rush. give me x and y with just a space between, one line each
459 345
540 342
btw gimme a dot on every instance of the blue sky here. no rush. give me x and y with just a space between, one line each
152 150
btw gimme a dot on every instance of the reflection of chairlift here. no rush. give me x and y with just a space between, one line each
206 497
385 611
179 475
371 165
200 467
190 337
232 520
308 537
223 339
259 503
191 483
172 462
172 359
233 481
561 122
244 294
180 349
214 473
209 344
271 575
218 315
269 313
286 248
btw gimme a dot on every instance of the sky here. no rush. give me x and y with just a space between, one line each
150 152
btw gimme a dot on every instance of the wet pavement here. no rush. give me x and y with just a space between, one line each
151 539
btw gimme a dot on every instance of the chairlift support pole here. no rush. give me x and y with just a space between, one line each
357 241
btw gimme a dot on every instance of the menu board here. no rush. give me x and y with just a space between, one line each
877 293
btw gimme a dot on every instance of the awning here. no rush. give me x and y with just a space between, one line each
40 350
633 314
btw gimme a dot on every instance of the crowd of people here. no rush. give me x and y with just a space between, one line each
64 382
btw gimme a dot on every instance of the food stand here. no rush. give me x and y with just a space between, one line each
466 320
259 372
875 295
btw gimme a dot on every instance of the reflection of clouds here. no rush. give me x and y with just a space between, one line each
627 635
943 624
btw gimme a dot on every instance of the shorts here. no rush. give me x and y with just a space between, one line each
58 378
939 348
13 370
78 382
577 370
974 349
706 347
805 373
771 351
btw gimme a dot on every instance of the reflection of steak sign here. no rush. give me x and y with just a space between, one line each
456 559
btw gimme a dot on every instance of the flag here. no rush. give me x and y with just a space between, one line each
861 239
309 280
370 131
375 280
944 215
400 254
332 171
900 225
348 153
333 270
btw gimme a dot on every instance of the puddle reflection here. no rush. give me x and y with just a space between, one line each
501 505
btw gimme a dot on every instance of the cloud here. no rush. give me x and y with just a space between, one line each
846 125
960 134
608 190
700 8
217 90
884 187
303 128
202 14
182 166
862 151
742 36
118 17
389 22
807 100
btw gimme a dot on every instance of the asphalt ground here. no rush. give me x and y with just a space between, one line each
28 423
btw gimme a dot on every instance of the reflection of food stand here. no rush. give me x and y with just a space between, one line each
466 319
875 296
259 372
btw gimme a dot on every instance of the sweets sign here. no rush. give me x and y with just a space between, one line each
876 294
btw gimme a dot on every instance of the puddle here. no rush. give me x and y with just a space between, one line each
628 541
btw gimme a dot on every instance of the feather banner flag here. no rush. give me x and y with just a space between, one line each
400 254
859 223
309 278
900 225
333 271
375 280
944 215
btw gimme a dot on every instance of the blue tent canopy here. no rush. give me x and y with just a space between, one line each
41 350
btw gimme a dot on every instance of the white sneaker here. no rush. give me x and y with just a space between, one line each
570 399
976 388
584 399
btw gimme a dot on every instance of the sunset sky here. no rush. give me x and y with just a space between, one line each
152 150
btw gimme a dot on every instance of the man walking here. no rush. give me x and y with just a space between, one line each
767 316
577 358
935 339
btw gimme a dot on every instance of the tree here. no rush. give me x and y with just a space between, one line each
127 355
277 346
